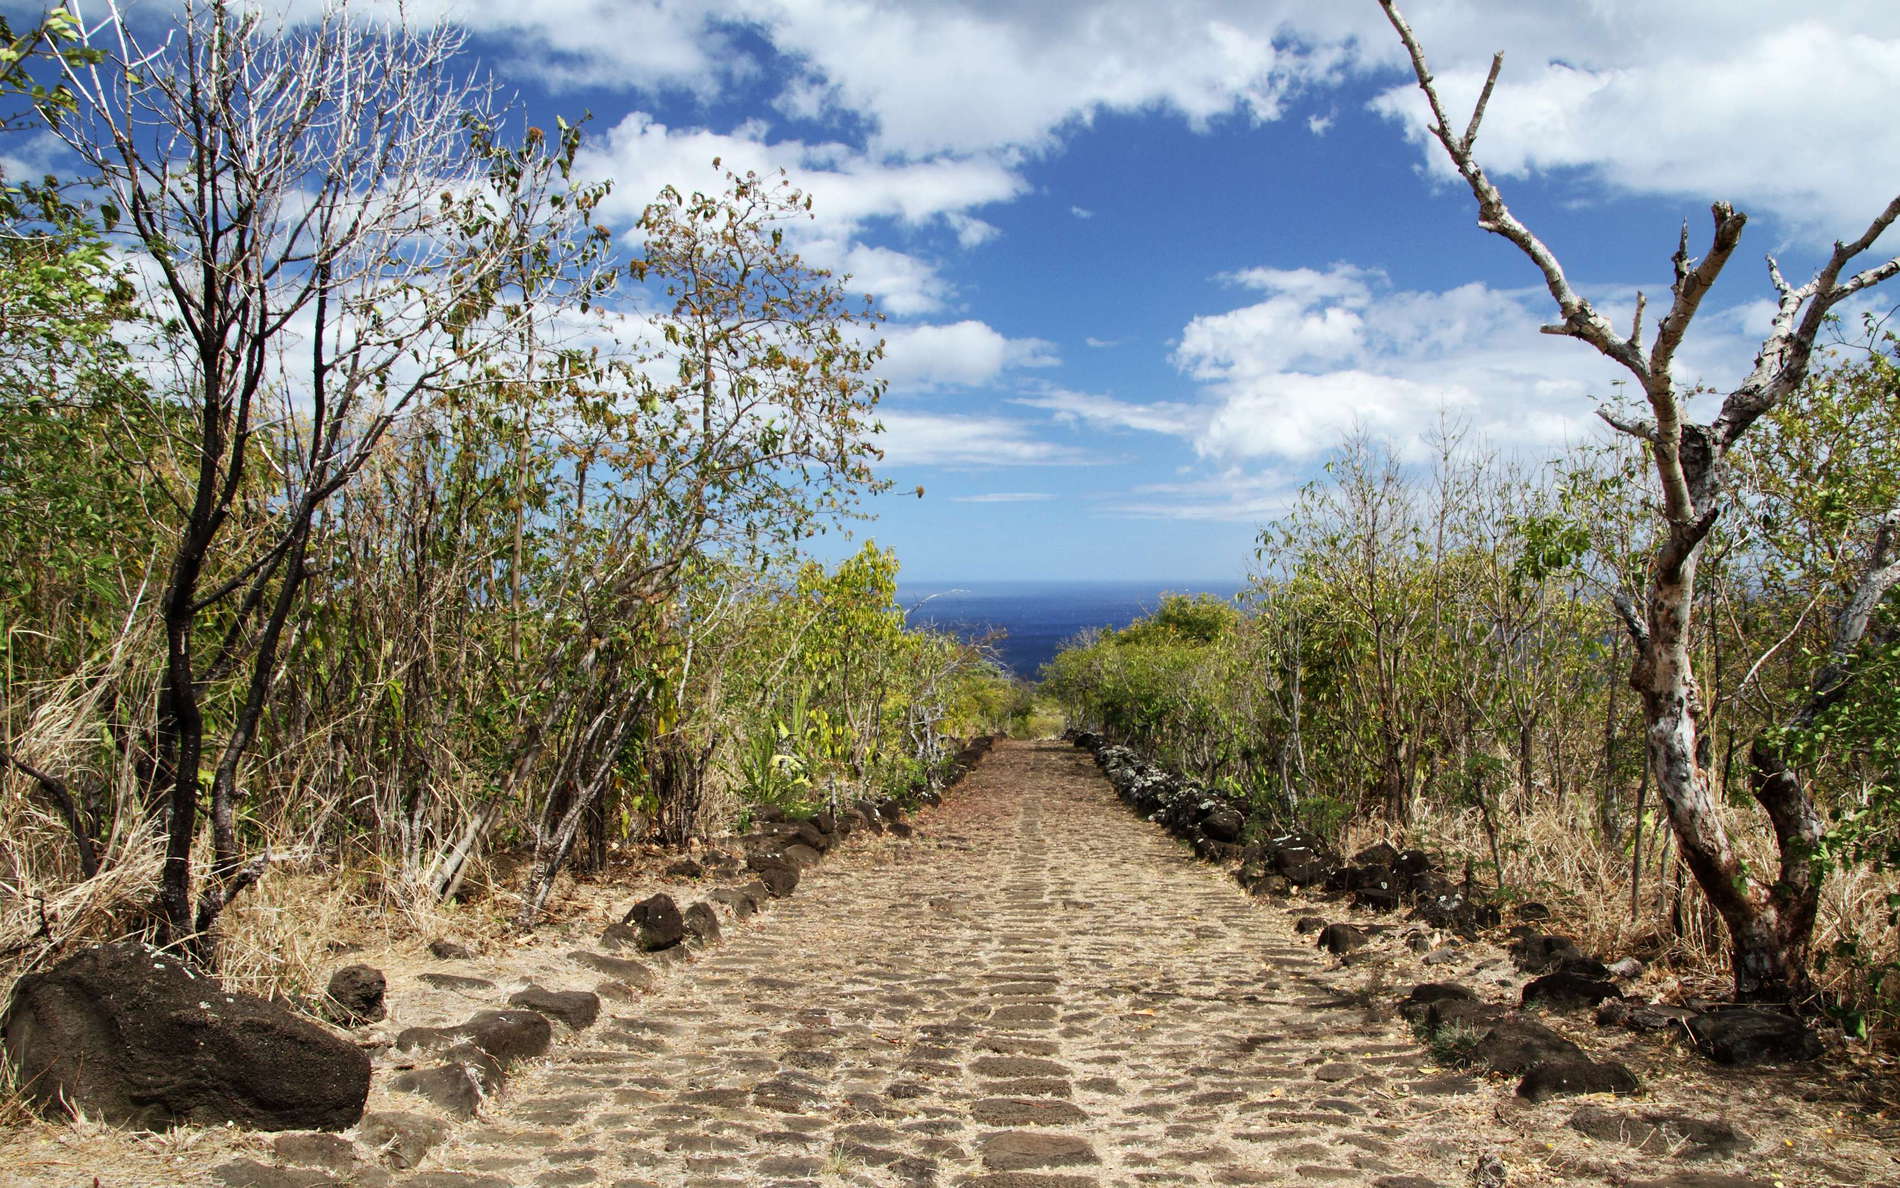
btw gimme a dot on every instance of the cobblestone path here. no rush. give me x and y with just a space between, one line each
1042 991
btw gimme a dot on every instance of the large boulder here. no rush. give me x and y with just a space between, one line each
127 1034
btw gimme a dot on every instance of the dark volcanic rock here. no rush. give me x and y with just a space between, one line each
127 1034
456 1089
1576 1076
1341 938
576 1008
1752 1035
742 901
657 921
1519 1045
355 996
701 923
779 875
1641 1016
1377 854
1537 953
1475 1017
508 1036
1416 1004
449 950
801 855
1564 990
1224 824
402 1139
1306 924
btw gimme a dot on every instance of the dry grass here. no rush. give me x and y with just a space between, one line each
1553 854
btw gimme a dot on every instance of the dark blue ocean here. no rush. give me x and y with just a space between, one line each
1037 618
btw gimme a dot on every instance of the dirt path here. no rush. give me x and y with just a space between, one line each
1044 992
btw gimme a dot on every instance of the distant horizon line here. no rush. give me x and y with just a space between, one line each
1163 583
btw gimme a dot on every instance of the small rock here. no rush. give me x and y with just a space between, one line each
701 923
1752 1035
454 1088
1576 1076
656 919
507 1036
1568 991
1517 1046
1530 912
1341 939
1423 996
685 868
1641 1016
1306 924
355 996
1627 968
576 1008
739 900
1224 824
399 1137
449 950
1016 1150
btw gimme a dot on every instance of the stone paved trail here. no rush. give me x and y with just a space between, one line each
1042 991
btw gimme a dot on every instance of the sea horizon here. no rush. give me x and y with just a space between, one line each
1038 616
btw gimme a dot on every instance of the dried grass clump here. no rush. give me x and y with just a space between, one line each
1555 853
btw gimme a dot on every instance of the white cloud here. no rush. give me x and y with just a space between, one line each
1107 412
1781 107
963 354
937 439
848 189
1786 113
1101 343
1328 352
1081 213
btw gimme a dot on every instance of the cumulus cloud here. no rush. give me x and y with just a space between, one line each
1743 123
1326 352
959 354
849 189
1766 103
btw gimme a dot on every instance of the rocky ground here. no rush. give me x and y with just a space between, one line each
1037 990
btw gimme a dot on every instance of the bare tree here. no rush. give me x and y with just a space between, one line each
324 217
1770 923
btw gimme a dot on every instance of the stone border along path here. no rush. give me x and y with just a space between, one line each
1043 992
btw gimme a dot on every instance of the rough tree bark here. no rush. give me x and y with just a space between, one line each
1770 924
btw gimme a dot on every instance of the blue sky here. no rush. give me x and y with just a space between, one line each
1145 264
